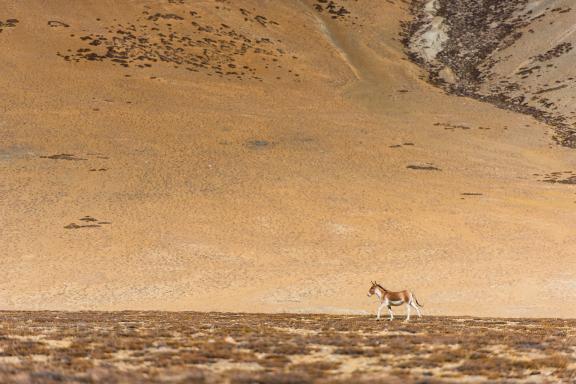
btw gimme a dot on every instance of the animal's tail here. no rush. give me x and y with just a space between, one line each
416 300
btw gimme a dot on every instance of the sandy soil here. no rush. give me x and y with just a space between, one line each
50 347
263 156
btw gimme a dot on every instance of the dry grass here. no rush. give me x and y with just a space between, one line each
50 347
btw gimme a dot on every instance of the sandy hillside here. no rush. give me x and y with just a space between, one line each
259 155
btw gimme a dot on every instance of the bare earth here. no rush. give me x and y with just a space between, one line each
188 347
265 156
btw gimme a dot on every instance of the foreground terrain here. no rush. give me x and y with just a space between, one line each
276 156
49 347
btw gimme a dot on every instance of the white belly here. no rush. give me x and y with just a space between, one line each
398 302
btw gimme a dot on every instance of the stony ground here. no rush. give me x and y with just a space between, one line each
47 347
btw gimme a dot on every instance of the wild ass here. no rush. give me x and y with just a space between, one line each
388 299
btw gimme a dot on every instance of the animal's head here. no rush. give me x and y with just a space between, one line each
373 288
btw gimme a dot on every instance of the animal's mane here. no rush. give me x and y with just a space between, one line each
381 287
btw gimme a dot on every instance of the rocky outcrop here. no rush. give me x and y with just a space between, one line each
515 54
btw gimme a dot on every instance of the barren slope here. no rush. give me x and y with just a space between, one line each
263 156
516 54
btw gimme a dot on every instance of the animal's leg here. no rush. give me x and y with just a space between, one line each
380 310
407 313
413 304
391 313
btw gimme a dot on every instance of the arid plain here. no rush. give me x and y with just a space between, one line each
191 347
265 156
